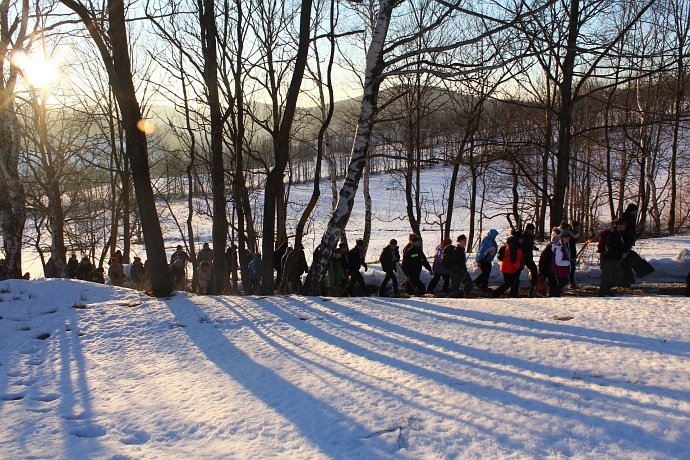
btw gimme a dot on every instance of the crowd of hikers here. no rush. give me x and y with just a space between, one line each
549 275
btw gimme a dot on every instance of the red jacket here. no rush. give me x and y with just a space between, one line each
512 260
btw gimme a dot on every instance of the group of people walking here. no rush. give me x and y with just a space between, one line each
549 275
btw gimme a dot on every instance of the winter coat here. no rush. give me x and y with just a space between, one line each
179 255
455 259
116 274
49 270
84 268
528 247
513 260
614 246
205 255
389 259
545 259
205 275
488 247
137 271
254 267
413 261
95 276
336 272
560 262
438 265
355 259
630 233
72 265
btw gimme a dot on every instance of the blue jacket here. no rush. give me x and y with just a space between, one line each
488 248
254 268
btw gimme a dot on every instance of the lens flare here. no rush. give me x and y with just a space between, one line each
146 127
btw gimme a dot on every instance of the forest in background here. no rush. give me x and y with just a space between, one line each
548 110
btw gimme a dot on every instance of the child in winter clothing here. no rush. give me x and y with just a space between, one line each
355 259
614 253
485 256
390 257
412 263
440 271
455 260
511 266
560 264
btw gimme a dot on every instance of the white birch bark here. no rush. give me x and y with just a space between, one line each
346 197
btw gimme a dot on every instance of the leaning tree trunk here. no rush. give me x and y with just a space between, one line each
114 48
341 214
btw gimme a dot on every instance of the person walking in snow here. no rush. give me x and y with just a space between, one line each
560 264
355 259
485 256
440 271
206 254
72 265
512 262
455 261
630 237
84 268
253 271
205 278
390 258
574 235
528 253
412 262
614 253
115 272
336 273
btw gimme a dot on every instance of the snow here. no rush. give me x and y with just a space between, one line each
92 371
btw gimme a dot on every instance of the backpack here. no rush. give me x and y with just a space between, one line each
601 245
501 252
545 259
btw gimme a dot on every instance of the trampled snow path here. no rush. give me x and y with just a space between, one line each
297 377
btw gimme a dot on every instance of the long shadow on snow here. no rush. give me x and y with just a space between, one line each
489 393
490 322
544 330
504 360
282 396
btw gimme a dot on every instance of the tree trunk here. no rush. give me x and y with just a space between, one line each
118 66
274 182
341 214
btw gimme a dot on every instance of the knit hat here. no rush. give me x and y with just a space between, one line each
446 241
529 226
461 238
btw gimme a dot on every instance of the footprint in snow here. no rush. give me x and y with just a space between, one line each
43 336
13 396
136 438
49 397
88 431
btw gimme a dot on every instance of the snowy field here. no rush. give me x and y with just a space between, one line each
92 371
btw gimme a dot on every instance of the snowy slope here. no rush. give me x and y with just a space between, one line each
126 376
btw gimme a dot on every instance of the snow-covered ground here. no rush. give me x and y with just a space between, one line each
92 371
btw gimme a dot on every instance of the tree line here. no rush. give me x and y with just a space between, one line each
544 108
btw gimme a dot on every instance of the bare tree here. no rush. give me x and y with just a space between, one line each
112 43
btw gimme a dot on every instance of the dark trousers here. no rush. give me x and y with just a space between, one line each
611 275
510 281
460 284
434 282
628 276
557 285
414 285
533 272
573 263
390 276
355 277
482 281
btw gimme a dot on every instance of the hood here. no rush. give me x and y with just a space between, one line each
493 233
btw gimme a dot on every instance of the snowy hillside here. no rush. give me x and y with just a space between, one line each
91 371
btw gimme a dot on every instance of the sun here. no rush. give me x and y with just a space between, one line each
36 71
